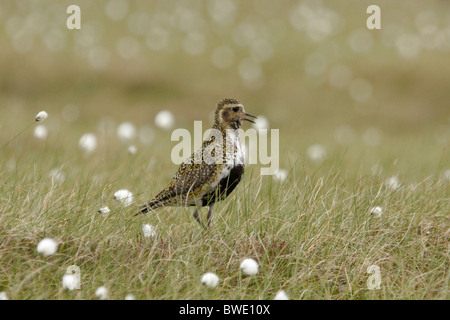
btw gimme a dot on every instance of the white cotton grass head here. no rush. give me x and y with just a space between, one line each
148 230
88 143
165 119
413 186
249 266
70 282
132 149
261 122
130 296
41 116
316 153
3 296
393 183
446 175
280 175
47 247
281 295
11 165
210 280
102 293
126 131
376 211
124 196
40 132
442 133
104 211
376 170
57 175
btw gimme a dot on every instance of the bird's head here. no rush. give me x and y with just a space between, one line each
230 113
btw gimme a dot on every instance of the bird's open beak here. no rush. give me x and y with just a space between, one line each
248 115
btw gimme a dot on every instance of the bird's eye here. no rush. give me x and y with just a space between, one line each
236 109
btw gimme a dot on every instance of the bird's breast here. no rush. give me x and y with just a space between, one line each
229 178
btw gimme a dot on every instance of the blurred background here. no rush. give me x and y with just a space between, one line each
364 126
310 68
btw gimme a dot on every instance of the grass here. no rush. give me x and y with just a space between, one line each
312 234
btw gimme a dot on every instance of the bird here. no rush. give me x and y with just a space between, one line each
211 173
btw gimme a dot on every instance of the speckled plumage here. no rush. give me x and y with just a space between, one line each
202 183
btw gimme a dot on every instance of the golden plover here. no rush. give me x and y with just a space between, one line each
213 172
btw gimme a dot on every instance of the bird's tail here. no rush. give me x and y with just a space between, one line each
151 205
163 198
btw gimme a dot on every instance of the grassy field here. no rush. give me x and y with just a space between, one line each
375 101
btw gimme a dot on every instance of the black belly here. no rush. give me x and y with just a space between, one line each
225 186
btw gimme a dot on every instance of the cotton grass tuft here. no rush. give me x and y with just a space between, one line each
165 120
132 149
148 230
102 293
316 153
104 211
126 131
57 175
41 116
393 183
376 212
47 247
249 266
124 196
261 122
130 296
70 282
281 295
40 132
446 175
280 175
88 143
210 280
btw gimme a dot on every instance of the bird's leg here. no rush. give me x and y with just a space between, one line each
209 216
196 216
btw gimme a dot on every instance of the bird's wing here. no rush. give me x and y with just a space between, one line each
193 178
195 174
190 178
